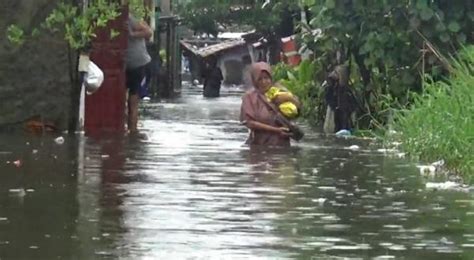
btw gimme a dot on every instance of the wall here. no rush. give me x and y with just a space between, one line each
232 66
34 78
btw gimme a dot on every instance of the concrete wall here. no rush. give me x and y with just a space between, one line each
165 7
34 78
232 66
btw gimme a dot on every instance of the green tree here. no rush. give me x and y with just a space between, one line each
77 26
207 16
272 19
390 44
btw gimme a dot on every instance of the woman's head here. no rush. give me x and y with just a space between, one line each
262 76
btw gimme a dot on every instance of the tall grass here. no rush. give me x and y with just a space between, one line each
440 122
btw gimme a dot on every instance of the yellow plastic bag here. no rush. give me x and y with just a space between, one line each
288 109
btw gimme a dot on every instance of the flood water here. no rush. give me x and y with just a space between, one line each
193 191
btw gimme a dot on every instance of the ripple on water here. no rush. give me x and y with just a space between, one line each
192 191
347 247
336 227
383 257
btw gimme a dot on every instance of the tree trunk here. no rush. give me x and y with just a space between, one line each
75 91
364 72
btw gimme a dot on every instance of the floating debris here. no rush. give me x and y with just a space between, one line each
343 133
396 144
432 168
426 169
17 163
354 147
449 185
17 192
445 241
401 155
438 164
59 140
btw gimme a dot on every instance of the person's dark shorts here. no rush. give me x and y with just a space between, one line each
134 79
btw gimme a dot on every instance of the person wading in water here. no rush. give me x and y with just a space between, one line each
137 58
267 126
341 103
212 78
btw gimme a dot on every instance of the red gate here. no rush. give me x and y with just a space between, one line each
105 109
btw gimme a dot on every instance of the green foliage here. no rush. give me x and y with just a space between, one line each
280 71
440 122
139 9
389 44
15 34
78 27
207 16
300 81
163 56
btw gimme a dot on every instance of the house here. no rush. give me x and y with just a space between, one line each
232 55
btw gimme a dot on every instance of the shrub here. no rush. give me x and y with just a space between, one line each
440 122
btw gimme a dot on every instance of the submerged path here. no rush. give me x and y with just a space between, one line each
192 191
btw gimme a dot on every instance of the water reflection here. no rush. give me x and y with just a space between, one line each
37 198
192 190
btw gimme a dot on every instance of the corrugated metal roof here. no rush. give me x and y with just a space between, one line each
212 49
231 35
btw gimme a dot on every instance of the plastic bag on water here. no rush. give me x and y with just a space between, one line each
93 78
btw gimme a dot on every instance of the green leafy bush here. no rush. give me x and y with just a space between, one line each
300 81
440 122
389 45
78 27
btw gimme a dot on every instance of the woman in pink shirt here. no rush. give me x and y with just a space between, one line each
259 115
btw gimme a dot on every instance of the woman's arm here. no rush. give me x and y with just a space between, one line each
255 125
141 30
247 117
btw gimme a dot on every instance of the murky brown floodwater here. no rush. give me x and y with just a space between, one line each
192 191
